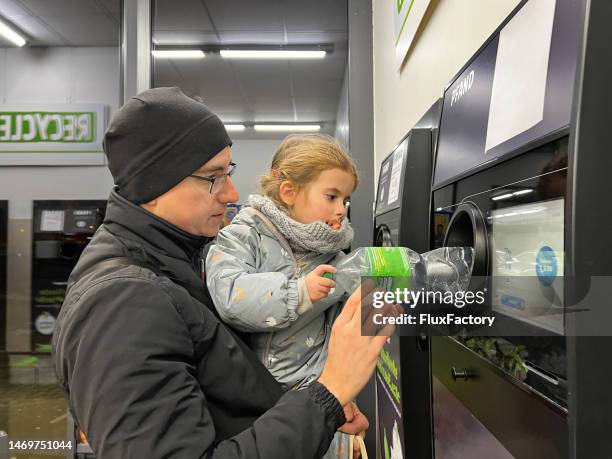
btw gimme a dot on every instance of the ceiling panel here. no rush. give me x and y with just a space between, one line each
324 105
232 15
325 87
275 104
181 16
114 6
184 37
51 8
65 22
326 15
89 30
244 36
266 90
11 8
38 34
228 108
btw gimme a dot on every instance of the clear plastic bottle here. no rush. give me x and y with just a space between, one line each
444 269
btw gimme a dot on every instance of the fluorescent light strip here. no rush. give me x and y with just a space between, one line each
287 127
509 195
271 54
11 35
503 196
235 127
178 53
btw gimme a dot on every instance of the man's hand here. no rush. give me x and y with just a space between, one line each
318 286
351 357
356 424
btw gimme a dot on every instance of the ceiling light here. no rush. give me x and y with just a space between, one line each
178 53
503 196
271 54
235 127
10 34
287 127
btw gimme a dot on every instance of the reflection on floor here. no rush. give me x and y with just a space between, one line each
31 404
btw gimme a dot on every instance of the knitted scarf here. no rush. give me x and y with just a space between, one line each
304 237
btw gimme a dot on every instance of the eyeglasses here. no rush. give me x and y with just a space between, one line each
217 182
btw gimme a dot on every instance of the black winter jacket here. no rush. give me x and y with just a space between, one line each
148 369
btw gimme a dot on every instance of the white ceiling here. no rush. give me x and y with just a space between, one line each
248 90
64 22
238 90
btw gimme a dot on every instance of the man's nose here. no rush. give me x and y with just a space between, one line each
229 193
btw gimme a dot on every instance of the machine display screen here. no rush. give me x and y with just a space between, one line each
390 180
527 263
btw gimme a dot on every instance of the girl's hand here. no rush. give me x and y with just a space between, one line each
318 286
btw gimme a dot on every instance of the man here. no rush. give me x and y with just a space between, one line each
147 367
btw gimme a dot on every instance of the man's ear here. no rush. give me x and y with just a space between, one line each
287 192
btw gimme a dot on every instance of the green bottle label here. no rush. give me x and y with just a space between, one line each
391 263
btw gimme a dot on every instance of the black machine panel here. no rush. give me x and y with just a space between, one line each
3 249
61 230
472 135
500 186
517 232
402 376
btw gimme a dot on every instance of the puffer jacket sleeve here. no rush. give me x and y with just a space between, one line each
248 300
128 367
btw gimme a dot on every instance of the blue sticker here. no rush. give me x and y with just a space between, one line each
513 302
546 265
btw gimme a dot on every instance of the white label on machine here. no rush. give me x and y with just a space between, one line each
527 263
396 174
521 68
52 220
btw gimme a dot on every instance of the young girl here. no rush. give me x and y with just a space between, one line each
265 270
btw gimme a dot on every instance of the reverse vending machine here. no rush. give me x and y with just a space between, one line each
521 177
3 248
402 378
61 230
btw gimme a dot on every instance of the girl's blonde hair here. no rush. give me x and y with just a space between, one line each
300 158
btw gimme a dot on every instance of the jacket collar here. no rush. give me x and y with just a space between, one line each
159 234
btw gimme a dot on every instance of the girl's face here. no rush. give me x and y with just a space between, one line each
323 199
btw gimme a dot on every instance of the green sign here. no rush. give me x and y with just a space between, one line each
49 127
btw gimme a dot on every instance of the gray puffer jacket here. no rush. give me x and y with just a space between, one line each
257 285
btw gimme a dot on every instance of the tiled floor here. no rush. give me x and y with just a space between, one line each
31 404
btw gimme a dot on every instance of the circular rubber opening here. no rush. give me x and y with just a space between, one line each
383 237
467 229
460 232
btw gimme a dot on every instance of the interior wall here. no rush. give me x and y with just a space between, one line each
450 33
61 75
253 157
342 115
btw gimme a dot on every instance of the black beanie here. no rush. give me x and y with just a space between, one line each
157 139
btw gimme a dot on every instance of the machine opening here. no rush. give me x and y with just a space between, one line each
460 231
467 229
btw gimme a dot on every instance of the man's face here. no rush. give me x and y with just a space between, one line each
190 205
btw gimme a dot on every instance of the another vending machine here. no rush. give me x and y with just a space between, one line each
3 249
61 230
403 415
